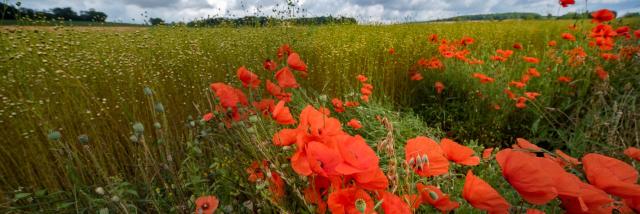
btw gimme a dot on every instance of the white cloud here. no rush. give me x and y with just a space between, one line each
364 10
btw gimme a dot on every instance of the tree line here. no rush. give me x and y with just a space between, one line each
260 21
525 16
10 12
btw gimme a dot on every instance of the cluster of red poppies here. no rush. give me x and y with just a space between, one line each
344 174
602 36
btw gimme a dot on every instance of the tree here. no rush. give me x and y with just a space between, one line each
65 13
156 21
93 15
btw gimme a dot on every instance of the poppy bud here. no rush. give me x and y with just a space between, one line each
433 195
251 130
115 198
138 128
323 98
253 118
412 161
157 125
361 205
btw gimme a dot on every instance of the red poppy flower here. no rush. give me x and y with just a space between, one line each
416 77
552 43
486 153
439 87
433 38
521 102
355 124
357 155
282 115
591 200
285 137
602 15
483 78
566 3
517 84
637 33
392 51
276 186
523 171
286 79
466 41
482 196
568 37
351 104
602 74
525 144
229 96
361 78
611 175
564 79
207 204
509 93
434 196
458 153
314 192
392 204
517 46
269 65
296 63
532 95
207 117
338 106
633 153
255 171
350 200
322 159
566 184
609 56
265 106
372 180
531 59
284 49
504 53
566 158
533 72
248 78
426 157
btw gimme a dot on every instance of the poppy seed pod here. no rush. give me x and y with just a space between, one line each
133 138
83 139
361 205
99 190
253 118
147 91
433 195
159 107
54 135
138 128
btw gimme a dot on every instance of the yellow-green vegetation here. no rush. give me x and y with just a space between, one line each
73 101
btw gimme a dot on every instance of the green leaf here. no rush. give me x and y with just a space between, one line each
21 195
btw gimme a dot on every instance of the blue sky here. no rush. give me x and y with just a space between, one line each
387 11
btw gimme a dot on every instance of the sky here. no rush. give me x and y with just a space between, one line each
365 11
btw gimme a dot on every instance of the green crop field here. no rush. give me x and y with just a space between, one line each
109 118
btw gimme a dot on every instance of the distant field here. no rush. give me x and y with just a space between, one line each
89 80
